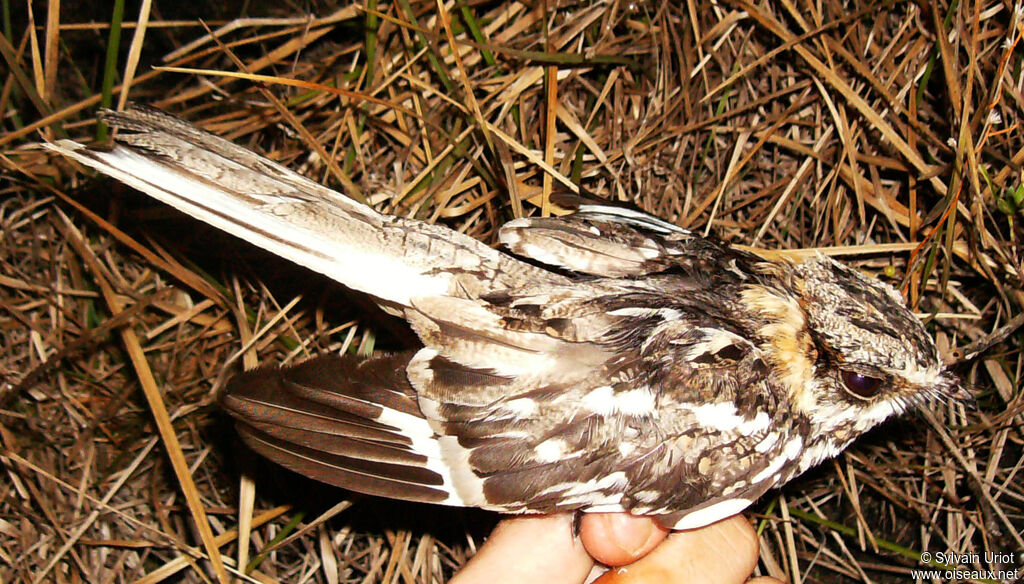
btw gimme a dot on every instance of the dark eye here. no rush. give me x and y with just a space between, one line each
861 385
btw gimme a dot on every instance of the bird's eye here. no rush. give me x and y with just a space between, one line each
860 385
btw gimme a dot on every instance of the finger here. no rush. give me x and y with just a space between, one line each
616 539
529 549
721 553
764 580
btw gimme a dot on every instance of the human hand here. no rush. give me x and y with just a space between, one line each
542 549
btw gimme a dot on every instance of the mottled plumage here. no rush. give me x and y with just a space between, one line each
650 370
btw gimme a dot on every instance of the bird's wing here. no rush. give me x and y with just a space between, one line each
537 400
603 242
361 425
625 213
343 421
290 215
483 416
607 394
586 245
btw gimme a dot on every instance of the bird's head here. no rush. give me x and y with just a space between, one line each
847 350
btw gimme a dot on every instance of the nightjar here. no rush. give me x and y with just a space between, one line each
643 368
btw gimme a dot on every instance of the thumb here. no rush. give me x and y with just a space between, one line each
616 539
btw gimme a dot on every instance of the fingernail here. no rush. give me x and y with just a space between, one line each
630 534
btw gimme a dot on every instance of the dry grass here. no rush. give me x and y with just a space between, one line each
863 129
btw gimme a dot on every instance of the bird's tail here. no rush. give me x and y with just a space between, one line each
268 205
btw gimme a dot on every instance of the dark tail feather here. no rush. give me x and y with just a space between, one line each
343 421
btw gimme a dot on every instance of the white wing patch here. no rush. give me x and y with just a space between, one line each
551 450
721 416
640 312
602 494
767 442
521 408
758 424
791 451
605 401
712 513
463 484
